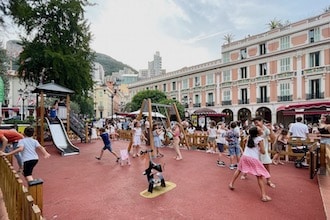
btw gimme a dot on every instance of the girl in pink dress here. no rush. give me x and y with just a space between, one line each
250 163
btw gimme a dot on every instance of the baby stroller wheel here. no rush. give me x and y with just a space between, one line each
297 164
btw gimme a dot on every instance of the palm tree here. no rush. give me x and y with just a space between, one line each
273 24
228 38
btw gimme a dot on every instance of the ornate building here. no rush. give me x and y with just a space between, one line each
278 75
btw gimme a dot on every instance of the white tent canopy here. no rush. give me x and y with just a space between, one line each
153 114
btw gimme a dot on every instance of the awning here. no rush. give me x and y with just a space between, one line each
307 105
210 114
6 109
316 112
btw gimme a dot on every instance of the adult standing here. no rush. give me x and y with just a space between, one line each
11 137
176 140
268 133
299 129
324 129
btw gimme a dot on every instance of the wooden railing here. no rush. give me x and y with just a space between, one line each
327 159
21 202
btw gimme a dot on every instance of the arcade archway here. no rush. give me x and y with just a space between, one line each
265 113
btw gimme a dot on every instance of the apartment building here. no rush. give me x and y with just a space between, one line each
278 75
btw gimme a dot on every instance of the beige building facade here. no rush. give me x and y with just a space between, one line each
278 75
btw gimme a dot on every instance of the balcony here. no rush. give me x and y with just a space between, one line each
210 104
226 102
244 101
185 105
319 95
284 98
196 105
263 100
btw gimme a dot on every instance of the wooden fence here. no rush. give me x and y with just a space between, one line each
21 202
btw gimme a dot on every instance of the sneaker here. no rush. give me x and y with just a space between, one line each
235 165
221 164
208 151
232 167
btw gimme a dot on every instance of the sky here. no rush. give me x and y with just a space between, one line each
185 32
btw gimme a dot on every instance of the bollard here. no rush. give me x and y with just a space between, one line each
35 190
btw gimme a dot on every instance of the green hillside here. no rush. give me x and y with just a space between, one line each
109 64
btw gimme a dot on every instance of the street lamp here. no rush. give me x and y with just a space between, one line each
112 96
24 95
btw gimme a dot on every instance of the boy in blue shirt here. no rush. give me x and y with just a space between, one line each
107 144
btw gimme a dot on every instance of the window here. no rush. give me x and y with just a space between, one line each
285 89
262 69
156 87
226 95
262 49
243 54
226 76
197 82
314 59
314 35
225 57
185 84
285 64
243 71
210 99
244 96
314 87
197 101
285 42
209 79
164 87
173 86
263 94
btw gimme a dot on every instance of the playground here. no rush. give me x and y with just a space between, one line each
81 187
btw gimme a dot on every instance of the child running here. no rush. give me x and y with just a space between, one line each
250 163
27 148
107 144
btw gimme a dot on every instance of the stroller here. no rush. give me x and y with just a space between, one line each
298 146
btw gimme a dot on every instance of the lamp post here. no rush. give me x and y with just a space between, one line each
24 95
112 96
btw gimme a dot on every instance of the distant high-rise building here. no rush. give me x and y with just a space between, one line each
154 67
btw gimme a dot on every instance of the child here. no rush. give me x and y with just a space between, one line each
221 142
107 144
157 142
250 163
137 137
212 135
279 145
27 146
232 137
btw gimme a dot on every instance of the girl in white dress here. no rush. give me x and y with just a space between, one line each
137 138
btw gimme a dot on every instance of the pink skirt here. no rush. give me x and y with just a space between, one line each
252 166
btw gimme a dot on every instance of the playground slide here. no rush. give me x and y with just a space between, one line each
60 138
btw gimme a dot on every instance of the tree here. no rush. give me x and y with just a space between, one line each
59 46
228 38
326 9
273 24
155 95
3 69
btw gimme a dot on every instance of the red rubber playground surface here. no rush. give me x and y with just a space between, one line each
81 187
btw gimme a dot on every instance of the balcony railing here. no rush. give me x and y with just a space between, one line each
226 102
244 101
284 98
197 105
262 100
210 104
319 95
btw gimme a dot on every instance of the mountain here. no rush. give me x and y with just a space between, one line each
109 64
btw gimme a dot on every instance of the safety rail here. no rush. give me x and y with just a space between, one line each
21 202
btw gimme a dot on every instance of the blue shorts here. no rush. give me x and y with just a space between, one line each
234 151
107 147
220 147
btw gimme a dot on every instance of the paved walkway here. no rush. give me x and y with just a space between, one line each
81 187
